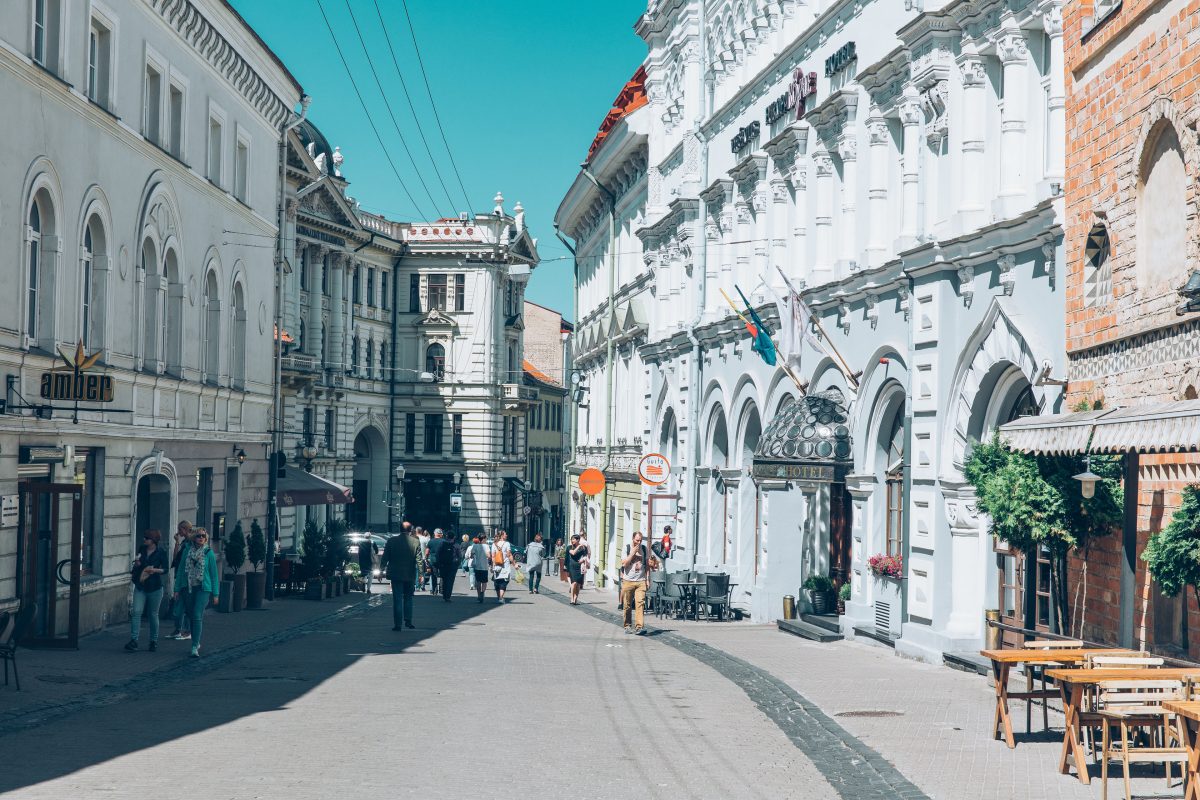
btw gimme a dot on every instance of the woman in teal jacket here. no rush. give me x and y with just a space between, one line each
198 572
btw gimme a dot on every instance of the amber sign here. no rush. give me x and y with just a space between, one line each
73 383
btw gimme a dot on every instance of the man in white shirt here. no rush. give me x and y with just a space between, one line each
636 567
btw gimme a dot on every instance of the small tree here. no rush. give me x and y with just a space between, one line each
1173 555
257 545
337 546
314 547
235 549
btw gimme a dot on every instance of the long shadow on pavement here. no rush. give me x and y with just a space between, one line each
198 695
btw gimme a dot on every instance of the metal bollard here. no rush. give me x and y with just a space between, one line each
789 606
991 634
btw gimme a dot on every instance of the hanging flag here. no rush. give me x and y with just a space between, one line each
758 332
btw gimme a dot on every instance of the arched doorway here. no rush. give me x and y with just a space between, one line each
153 506
717 519
748 529
369 511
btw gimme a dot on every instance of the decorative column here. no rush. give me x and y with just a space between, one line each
337 262
313 345
1052 21
877 193
292 323
910 118
848 152
779 239
823 267
973 119
743 225
799 268
1014 54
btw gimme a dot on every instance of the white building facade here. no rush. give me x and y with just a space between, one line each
903 165
137 220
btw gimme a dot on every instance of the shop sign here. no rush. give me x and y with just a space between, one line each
804 473
745 137
9 506
653 469
839 60
73 383
801 87
455 502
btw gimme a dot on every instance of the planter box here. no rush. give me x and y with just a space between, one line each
238 598
314 590
256 589
225 601
822 602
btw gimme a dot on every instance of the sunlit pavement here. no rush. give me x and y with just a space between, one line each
534 699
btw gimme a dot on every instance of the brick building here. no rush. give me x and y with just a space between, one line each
1131 241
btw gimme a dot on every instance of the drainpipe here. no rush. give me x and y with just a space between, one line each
601 562
569 369
275 462
393 357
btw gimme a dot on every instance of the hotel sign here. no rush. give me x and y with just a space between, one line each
745 137
840 59
74 383
808 474
801 87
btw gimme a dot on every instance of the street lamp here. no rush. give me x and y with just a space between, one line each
399 473
1088 479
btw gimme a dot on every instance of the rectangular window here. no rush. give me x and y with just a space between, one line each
241 170
152 109
460 292
93 511
357 288
435 292
895 514
456 445
414 293
175 121
99 60
516 426
309 427
383 290
504 437
330 430
433 433
216 141
410 432
354 356
371 286
39 31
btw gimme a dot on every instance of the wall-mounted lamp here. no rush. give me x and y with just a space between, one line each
239 454
456 478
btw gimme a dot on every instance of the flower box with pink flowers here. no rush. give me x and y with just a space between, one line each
885 566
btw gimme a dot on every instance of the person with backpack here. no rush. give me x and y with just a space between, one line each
502 561
636 567
446 561
431 559
480 567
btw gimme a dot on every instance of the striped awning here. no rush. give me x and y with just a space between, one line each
1149 428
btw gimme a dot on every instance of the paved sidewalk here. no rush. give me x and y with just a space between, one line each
54 682
931 722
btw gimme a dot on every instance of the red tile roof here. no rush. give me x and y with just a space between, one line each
631 98
537 374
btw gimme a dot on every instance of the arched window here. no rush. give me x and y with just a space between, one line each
93 273
354 355
85 286
237 339
152 307
211 341
33 270
1097 270
172 327
370 359
435 361
383 362
1162 211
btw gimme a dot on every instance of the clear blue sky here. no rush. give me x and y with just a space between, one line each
520 86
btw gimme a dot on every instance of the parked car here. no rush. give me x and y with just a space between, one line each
357 538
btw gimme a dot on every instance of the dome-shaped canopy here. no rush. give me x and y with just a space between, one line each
309 134
814 429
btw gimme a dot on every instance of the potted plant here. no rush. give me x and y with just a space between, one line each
234 582
820 593
256 581
337 553
843 597
313 559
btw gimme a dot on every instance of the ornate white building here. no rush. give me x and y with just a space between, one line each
137 222
904 166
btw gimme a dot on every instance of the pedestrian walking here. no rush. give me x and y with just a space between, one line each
423 538
432 559
577 555
586 564
480 566
534 559
502 561
446 562
464 551
182 601
148 569
636 567
402 561
198 575
560 557
367 551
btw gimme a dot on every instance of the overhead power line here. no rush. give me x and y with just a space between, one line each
367 112
437 117
392 114
413 108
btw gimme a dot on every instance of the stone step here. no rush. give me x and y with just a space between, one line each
830 622
869 632
806 630
967 662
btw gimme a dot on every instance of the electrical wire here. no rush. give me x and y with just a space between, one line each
363 103
413 109
437 117
388 106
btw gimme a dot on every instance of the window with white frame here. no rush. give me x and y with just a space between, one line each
86 272
152 100
45 33
99 62
33 267
39 30
241 169
176 109
216 144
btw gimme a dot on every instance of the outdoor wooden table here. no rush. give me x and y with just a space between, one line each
1002 663
1074 682
1189 712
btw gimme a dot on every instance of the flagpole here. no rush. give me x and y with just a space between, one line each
816 320
782 364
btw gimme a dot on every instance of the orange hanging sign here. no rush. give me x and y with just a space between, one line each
591 481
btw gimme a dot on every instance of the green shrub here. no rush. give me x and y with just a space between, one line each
819 583
257 545
312 542
235 549
844 592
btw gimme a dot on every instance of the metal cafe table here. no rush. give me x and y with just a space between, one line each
1074 684
1002 663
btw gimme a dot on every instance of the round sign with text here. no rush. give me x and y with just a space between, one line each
591 481
653 469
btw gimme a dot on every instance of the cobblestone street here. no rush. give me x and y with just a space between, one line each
534 699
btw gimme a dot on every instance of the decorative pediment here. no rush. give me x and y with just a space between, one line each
435 320
320 199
